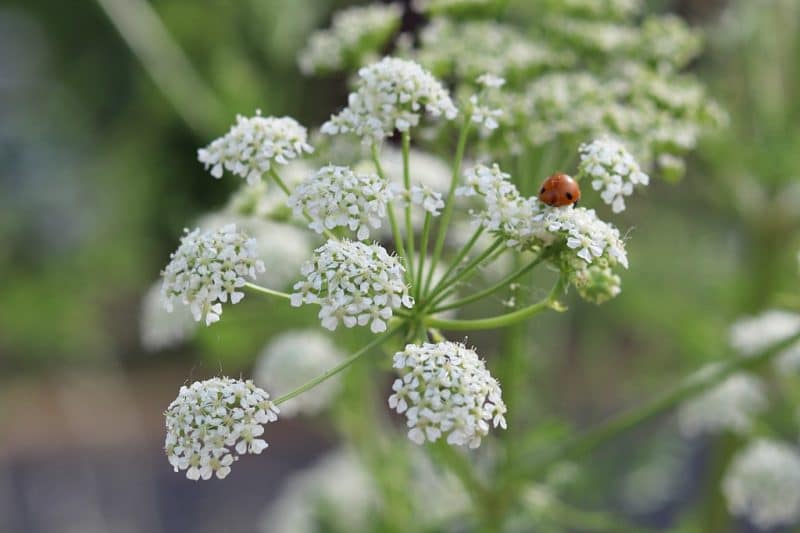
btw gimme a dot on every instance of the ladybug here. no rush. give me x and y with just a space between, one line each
559 190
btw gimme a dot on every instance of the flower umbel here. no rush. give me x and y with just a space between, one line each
338 197
209 268
355 283
391 94
213 421
253 145
445 390
612 170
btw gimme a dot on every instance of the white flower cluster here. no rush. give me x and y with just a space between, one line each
611 169
208 268
430 200
391 95
160 329
445 389
355 33
354 283
482 113
292 359
753 334
763 484
253 145
731 405
211 420
335 196
591 247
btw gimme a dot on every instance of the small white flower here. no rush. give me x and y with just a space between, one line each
391 94
253 145
763 484
445 390
292 359
208 269
430 200
336 196
612 170
730 405
353 283
211 421
483 115
491 81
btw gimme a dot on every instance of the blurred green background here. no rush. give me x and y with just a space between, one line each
98 176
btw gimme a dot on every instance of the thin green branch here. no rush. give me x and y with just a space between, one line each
407 185
470 267
423 248
396 235
268 292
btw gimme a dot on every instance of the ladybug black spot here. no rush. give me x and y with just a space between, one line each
541 190
569 196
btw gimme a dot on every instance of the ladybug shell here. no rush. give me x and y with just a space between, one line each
559 190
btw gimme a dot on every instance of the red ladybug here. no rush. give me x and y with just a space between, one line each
559 190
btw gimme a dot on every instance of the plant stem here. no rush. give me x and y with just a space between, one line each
457 261
449 204
407 185
549 302
446 282
423 248
396 235
341 366
599 435
497 286
269 292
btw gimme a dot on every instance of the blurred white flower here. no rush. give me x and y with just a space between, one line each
752 334
335 196
212 420
612 170
391 95
253 145
730 405
209 268
292 359
158 328
763 484
445 390
354 283
356 33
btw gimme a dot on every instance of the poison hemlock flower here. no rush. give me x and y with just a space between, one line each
763 484
253 145
356 33
390 95
208 269
336 196
612 170
730 405
292 359
430 200
445 390
211 422
354 283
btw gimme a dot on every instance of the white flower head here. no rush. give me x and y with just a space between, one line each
391 94
356 32
430 200
445 390
208 269
763 484
253 145
752 334
214 421
160 329
611 169
730 405
292 359
354 283
335 196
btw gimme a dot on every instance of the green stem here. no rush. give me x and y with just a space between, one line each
423 248
489 290
341 366
407 185
449 205
269 292
608 430
549 302
396 235
446 283
457 261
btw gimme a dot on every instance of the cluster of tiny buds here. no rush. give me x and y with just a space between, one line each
208 269
253 145
353 283
445 390
212 420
